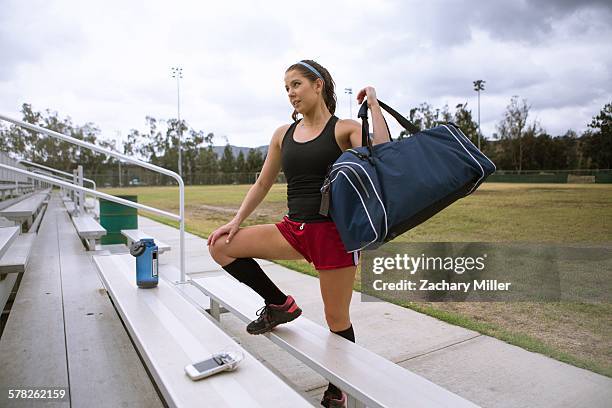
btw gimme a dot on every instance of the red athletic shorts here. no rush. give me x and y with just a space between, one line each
318 242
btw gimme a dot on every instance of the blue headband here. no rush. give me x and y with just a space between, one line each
310 67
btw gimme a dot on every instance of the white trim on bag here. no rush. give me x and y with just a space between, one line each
468 152
375 192
365 209
356 175
470 142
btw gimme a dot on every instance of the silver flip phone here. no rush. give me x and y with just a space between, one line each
223 361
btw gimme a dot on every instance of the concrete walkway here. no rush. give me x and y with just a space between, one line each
482 369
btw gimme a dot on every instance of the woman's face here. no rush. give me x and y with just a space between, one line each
303 94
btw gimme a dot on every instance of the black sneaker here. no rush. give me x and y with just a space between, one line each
271 316
333 400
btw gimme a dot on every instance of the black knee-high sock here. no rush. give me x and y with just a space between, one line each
348 334
248 271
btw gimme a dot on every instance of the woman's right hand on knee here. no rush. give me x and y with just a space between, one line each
230 229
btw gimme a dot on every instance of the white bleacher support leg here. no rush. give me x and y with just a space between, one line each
81 193
351 402
73 194
215 310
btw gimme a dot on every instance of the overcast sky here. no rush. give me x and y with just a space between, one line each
109 62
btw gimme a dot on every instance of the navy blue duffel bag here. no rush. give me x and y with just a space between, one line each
375 193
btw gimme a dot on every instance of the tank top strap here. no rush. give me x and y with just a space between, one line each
332 131
289 133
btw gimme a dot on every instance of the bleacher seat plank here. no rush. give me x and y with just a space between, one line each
7 236
88 229
90 202
16 259
368 377
9 202
9 188
171 333
70 207
133 235
24 210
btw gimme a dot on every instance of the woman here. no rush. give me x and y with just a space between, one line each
304 150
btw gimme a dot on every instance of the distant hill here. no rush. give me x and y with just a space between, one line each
237 149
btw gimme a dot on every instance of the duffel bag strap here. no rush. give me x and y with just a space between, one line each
365 127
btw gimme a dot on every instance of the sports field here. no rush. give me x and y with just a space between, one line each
576 333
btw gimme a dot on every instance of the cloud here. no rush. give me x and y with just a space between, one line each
109 63
446 24
28 38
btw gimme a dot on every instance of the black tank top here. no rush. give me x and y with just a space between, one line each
305 166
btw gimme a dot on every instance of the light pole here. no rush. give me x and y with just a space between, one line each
479 86
119 138
349 92
177 72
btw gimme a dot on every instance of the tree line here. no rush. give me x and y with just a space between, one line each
518 144
157 143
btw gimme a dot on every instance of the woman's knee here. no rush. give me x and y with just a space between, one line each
217 250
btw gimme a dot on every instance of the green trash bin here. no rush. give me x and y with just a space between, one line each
115 217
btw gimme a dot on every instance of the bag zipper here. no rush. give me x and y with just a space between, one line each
361 156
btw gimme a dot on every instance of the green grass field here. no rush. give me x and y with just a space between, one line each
576 333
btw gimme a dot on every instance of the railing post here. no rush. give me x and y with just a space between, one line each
73 193
81 194
182 226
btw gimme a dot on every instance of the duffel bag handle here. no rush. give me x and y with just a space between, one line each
365 127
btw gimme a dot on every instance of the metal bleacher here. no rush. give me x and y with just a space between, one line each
61 325
90 319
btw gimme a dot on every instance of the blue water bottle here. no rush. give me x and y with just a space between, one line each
145 252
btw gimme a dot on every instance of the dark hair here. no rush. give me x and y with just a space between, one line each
329 93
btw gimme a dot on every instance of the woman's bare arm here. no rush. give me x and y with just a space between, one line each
379 127
266 179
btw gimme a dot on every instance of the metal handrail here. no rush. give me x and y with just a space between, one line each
127 159
70 186
29 163
46 173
